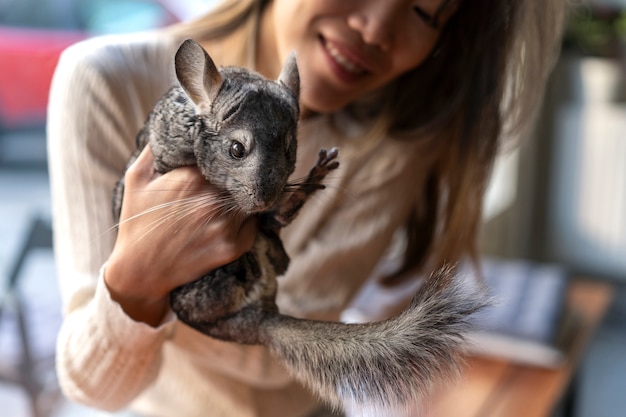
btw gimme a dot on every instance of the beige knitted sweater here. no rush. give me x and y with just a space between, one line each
102 91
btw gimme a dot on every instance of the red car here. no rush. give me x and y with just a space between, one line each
33 33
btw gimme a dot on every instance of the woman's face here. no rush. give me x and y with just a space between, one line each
346 48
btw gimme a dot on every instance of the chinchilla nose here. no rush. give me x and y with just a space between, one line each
268 188
266 195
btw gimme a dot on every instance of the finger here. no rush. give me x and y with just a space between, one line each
248 232
189 174
142 169
186 180
237 245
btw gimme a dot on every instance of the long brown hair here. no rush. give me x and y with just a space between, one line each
482 83
224 19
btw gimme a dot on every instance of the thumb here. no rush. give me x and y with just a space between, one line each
141 171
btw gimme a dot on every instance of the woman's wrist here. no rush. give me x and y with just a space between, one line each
146 308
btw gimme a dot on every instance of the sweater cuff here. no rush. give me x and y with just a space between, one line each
119 326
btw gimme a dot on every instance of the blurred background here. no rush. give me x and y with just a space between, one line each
559 198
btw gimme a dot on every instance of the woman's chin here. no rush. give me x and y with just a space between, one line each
320 107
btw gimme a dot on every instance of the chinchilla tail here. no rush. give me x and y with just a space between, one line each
383 365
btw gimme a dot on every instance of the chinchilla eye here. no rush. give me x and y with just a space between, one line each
237 150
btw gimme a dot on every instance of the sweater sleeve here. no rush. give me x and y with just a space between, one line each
101 93
104 358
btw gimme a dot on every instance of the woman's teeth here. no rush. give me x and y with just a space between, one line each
344 62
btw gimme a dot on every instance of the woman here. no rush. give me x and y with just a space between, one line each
416 94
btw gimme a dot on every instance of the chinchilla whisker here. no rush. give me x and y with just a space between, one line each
230 206
223 209
178 217
304 181
344 192
294 187
298 180
207 204
158 207
141 214
180 210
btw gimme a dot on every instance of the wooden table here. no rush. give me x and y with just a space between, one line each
498 388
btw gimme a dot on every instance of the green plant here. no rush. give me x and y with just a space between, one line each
596 31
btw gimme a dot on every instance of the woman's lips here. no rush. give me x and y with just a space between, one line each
342 60
345 64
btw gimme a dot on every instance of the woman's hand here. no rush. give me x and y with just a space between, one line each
165 240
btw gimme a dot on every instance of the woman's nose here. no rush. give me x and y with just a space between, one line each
375 21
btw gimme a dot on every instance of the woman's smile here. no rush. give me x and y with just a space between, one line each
346 64
346 51
343 61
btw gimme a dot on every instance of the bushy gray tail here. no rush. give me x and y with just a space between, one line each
386 364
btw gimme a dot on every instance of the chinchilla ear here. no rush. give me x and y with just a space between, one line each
197 73
289 75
